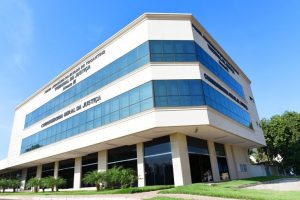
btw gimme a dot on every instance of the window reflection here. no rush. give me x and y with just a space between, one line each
48 170
124 65
89 164
166 93
66 171
222 161
124 156
158 162
199 160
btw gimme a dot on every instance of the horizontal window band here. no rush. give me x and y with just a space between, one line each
153 94
159 154
66 168
119 161
91 164
149 51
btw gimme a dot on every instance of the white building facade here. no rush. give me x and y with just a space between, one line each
160 97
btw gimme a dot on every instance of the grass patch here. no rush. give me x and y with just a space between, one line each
164 198
231 189
93 192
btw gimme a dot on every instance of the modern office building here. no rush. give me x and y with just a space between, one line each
160 96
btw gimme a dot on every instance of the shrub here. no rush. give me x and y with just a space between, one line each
95 177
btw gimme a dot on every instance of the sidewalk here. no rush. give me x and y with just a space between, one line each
136 196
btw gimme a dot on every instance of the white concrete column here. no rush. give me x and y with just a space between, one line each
213 161
180 159
77 173
56 165
140 164
102 160
39 171
23 179
231 162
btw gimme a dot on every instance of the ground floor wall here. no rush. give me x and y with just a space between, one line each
174 159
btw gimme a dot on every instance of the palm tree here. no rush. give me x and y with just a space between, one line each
14 184
59 182
43 184
34 183
95 177
127 177
3 184
50 182
113 177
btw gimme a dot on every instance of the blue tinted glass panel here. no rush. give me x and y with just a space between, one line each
190 51
107 112
123 65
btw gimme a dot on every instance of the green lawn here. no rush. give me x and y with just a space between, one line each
232 189
164 198
93 192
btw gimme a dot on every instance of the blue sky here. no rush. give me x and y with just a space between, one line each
39 39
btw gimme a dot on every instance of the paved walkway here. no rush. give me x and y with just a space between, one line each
136 196
284 184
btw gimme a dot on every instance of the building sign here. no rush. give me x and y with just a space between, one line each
72 110
70 79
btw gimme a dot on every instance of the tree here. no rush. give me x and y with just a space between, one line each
43 184
14 184
3 184
59 182
50 182
113 176
34 183
282 134
128 177
95 177
120 177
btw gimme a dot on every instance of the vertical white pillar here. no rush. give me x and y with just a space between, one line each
56 169
23 179
213 161
231 162
77 173
140 164
180 159
102 160
39 171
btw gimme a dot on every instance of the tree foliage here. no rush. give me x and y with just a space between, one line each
282 134
44 183
95 178
3 184
116 177
10 183
34 183
14 184
59 182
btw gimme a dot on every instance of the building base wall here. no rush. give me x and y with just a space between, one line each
237 160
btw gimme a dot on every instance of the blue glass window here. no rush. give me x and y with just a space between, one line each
119 107
123 65
190 51
161 51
